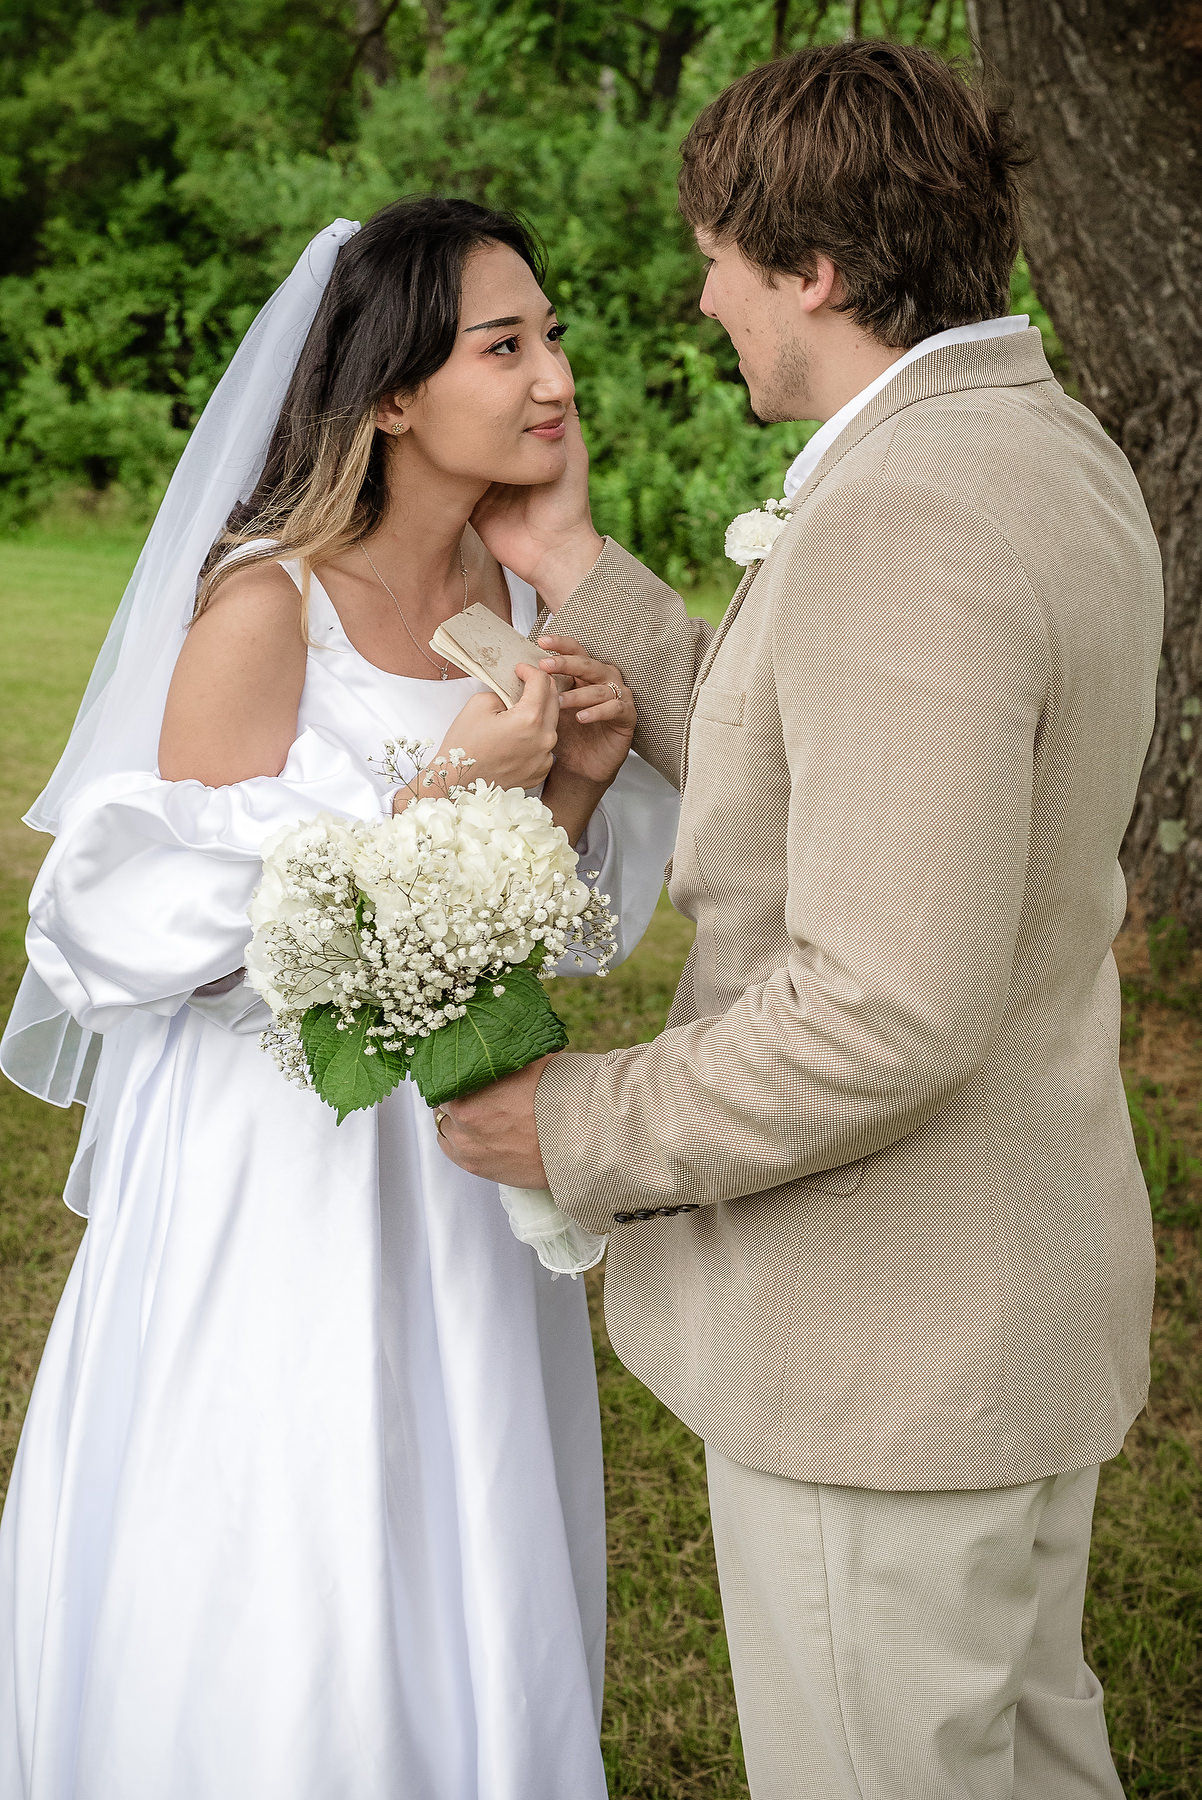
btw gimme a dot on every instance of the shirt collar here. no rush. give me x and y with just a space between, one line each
805 464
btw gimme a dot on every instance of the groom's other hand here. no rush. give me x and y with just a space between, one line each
491 1133
545 534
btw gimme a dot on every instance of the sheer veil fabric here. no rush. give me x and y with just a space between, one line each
117 727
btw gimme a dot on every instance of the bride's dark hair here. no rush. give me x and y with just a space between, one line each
386 322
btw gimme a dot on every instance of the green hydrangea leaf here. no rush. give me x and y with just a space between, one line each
321 1038
498 1035
344 1074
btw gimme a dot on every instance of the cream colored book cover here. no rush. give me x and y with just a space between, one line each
481 644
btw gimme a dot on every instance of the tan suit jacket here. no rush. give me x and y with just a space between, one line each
905 1241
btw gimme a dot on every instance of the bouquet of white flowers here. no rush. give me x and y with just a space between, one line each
417 945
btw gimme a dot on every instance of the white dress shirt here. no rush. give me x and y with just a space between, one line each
826 434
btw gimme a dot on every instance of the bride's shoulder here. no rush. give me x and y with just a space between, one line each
254 613
251 562
259 591
232 708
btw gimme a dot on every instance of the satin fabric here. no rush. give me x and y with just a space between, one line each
308 1501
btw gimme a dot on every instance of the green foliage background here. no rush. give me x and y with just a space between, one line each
162 163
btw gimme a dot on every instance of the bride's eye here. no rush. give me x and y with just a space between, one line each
556 332
504 347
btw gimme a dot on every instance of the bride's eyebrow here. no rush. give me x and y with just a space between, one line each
492 324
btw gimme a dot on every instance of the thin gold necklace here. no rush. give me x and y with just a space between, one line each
442 673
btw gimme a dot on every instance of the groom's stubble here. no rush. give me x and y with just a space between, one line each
782 395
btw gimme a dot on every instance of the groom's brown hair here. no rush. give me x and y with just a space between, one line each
883 157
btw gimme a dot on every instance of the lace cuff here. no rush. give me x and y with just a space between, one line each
559 1243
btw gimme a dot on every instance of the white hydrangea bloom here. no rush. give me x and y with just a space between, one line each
409 913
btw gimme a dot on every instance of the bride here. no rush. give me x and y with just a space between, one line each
308 1499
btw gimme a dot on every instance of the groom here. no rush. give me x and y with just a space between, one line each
878 1230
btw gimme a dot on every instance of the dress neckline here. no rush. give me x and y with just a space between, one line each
518 604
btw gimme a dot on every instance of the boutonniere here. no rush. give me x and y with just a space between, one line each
750 537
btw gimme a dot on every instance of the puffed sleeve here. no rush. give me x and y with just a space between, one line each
143 898
623 853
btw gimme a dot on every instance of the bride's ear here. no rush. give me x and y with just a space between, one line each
390 416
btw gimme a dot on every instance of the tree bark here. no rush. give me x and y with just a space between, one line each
374 57
678 37
436 27
1109 95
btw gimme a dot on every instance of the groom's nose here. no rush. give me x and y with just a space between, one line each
706 302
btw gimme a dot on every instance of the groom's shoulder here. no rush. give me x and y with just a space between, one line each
1014 482
1003 451
1024 420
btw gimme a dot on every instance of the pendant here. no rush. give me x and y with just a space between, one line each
443 676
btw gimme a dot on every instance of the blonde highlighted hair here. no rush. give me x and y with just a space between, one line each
313 517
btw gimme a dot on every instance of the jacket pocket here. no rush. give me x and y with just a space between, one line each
844 1180
723 705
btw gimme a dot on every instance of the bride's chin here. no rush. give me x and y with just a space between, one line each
538 463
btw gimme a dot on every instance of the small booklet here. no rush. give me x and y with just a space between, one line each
481 644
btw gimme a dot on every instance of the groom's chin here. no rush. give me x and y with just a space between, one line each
767 411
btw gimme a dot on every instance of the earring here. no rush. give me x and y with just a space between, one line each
396 430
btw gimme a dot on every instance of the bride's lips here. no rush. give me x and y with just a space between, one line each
550 430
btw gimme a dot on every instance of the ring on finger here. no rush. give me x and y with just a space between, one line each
615 689
439 1116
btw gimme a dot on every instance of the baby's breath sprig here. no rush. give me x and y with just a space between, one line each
442 773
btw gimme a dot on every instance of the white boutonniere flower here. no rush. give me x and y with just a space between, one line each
750 537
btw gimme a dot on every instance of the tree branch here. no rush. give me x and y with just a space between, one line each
343 82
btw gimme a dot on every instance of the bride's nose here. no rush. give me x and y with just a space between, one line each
553 379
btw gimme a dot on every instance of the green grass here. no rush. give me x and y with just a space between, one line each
670 1727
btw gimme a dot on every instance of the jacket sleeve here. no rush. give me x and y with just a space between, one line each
625 615
911 663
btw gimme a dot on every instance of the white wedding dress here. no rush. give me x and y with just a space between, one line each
308 1501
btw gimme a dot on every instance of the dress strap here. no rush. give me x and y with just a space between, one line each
324 625
238 552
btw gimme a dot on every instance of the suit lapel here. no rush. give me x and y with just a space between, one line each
1015 361
728 619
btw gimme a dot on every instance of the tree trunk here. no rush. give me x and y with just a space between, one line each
1109 95
678 37
436 28
374 58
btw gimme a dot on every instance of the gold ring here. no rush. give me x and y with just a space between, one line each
439 1116
617 692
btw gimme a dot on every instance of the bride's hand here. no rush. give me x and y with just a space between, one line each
596 723
545 534
512 749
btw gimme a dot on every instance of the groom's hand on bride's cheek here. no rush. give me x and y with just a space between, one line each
492 1133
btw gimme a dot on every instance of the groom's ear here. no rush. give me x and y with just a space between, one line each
823 286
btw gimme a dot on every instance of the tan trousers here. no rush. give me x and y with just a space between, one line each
910 1646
